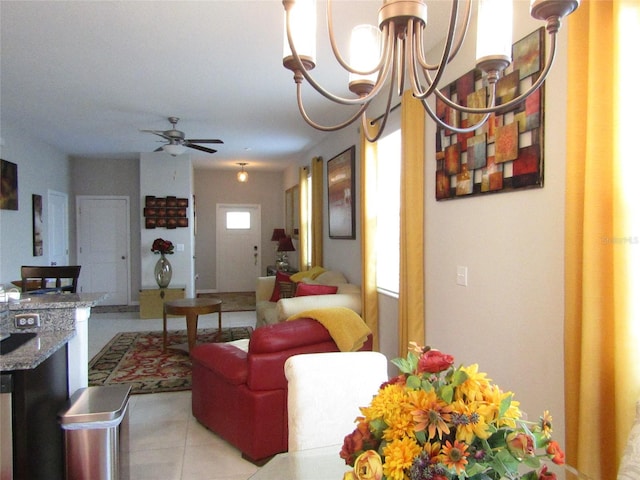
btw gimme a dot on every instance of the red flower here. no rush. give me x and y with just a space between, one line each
544 475
556 452
162 246
434 361
356 442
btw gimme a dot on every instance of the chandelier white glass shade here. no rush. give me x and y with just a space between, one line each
242 176
174 149
395 50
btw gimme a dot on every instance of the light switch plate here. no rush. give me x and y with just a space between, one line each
462 276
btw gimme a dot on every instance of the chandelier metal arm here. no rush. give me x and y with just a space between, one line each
492 108
335 98
443 124
453 23
336 50
384 118
415 85
324 128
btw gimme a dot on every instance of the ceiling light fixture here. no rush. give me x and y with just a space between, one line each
174 149
242 175
396 47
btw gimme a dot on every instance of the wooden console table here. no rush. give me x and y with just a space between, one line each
152 300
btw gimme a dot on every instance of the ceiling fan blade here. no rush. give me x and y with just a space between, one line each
193 140
198 147
157 132
159 149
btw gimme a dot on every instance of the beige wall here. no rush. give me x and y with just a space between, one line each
111 177
220 186
40 168
510 317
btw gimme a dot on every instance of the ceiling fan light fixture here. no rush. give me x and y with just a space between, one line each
174 149
242 176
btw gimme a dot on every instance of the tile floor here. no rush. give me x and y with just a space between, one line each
166 442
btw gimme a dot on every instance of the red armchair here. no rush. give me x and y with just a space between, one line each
242 396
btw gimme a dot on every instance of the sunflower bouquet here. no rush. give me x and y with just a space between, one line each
439 422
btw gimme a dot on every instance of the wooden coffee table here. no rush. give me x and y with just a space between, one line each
190 308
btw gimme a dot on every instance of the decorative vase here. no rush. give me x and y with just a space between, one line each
163 271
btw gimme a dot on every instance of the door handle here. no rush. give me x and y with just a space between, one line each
123 257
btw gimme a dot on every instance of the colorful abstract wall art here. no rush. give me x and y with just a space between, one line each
506 153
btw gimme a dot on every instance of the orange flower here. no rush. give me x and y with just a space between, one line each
556 452
455 456
521 445
430 413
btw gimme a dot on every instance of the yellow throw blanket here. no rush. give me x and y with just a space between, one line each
345 326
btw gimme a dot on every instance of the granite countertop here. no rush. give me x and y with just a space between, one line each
36 350
55 300
57 314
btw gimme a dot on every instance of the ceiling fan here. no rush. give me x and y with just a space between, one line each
177 143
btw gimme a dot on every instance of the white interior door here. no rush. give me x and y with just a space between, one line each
58 227
103 247
238 247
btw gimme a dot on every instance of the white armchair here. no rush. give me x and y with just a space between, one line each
327 390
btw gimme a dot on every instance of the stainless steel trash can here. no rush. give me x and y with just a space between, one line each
96 433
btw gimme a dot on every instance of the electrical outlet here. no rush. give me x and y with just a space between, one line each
27 320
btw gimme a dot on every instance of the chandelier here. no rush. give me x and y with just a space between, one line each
242 175
395 50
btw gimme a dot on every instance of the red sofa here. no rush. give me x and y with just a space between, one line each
242 396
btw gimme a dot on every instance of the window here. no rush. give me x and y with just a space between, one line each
238 220
388 212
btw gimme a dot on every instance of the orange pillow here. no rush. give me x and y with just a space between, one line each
305 289
280 277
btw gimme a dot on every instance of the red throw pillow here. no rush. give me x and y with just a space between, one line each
280 277
305 289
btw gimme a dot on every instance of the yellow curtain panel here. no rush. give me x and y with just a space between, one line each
411 296
368 222
317 172
602 381
303 240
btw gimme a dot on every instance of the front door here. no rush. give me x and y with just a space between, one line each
238 247
103 247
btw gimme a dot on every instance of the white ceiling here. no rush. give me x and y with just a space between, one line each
85 76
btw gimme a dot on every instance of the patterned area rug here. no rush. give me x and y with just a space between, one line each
137 359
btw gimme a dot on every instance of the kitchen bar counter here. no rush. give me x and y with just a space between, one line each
43 373
58 325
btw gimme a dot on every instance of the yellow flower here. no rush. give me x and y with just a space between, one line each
491 409
387 402
368 466
472 389
398 457
545 424
400 423
430 413
469 421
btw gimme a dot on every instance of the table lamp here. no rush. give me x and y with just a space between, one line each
284 245
277 235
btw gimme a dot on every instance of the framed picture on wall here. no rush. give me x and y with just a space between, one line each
38 247
341 186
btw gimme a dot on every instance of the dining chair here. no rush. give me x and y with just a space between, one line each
325 391
42 274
